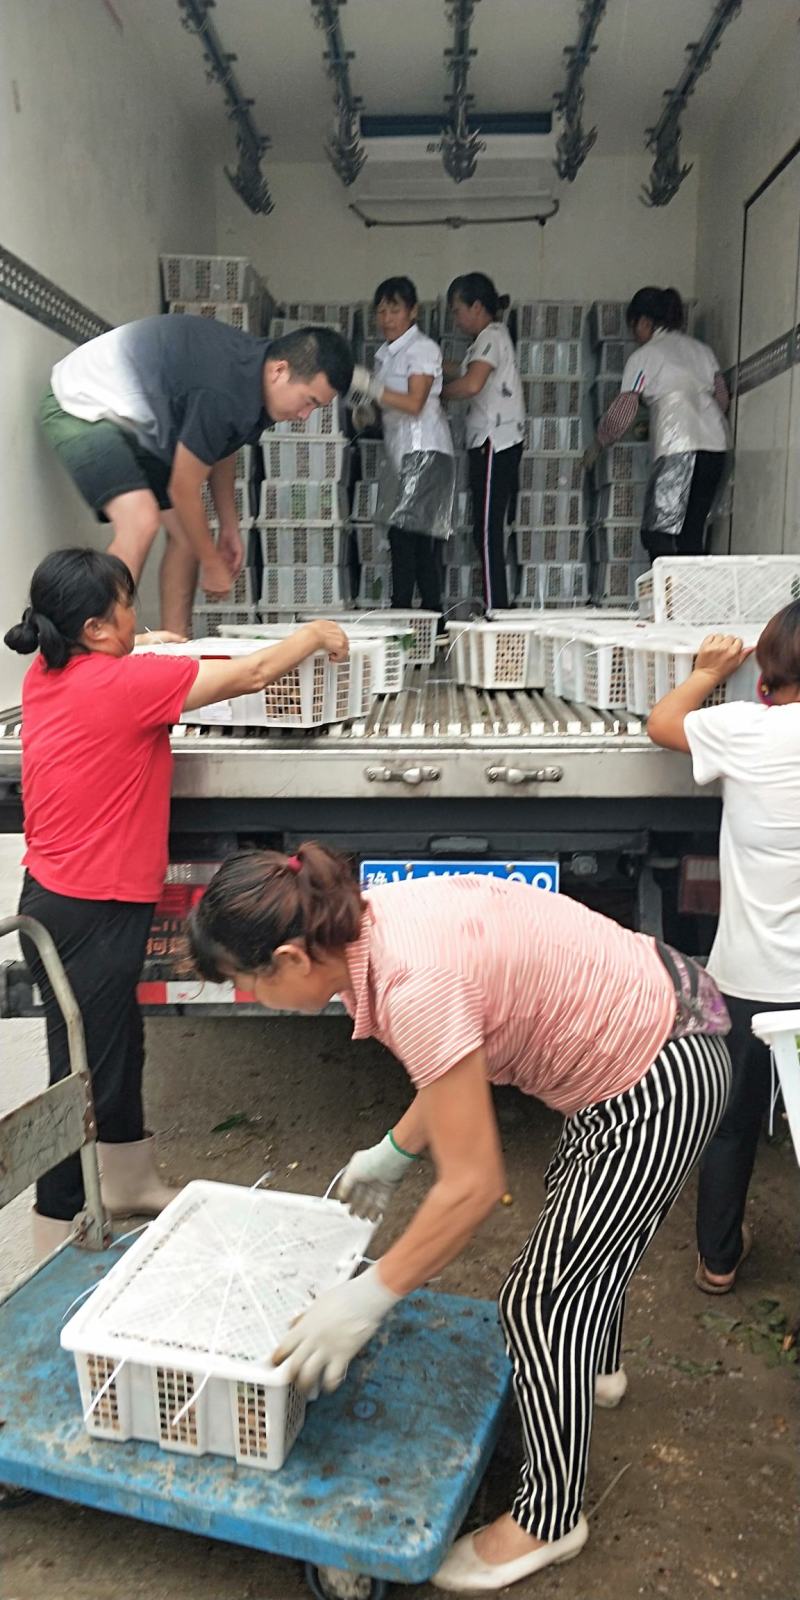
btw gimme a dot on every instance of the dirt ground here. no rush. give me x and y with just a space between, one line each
705 1440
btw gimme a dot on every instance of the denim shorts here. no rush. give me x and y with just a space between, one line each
102 459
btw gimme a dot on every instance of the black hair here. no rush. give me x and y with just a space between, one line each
778 649
402 289
664 307
311 350
260 899
472 286
68 588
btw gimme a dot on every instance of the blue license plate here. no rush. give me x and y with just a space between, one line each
540 874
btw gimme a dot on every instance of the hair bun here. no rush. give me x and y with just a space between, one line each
503 302
24 636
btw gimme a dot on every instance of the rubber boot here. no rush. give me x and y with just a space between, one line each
129 1179
47 1233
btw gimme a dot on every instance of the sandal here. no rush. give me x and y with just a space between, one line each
727 1281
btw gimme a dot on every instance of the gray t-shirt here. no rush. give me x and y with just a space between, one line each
170 380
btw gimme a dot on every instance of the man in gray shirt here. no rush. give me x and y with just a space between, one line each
144 415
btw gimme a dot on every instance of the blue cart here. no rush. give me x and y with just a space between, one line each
383 1471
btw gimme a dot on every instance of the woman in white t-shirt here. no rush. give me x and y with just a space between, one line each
489 379
679 380
418 486
754 750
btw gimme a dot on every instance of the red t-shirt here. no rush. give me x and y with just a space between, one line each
97 772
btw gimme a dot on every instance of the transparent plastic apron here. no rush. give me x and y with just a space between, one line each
681 424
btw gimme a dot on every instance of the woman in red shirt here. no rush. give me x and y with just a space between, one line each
469 982
96 779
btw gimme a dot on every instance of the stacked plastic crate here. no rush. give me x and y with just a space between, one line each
302 518
240 606
620 476
372 542
553 354
462 589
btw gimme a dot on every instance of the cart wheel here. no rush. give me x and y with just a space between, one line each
11 1497
332 1583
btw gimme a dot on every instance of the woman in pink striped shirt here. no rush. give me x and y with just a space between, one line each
470 982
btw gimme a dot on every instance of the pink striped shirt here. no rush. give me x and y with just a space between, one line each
568 1005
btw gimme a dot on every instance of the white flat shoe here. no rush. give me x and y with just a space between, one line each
610 1388
463 1571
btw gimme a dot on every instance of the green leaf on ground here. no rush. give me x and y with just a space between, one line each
240 1119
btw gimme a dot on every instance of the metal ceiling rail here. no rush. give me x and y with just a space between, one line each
667 174
248 180
344 148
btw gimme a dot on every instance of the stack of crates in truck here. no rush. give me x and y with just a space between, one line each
303 512
620 476
228 289
554 356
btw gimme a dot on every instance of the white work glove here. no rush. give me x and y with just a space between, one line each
371 1177
365 386
321 1343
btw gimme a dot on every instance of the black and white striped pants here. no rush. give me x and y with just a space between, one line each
618 1168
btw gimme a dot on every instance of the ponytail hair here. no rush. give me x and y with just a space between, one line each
68 588
472 286
664 308
261 899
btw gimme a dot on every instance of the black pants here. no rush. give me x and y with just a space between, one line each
493 481
416 560
691 541
727 1165
102 945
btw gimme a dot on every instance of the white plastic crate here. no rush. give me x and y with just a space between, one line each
553 397
662 659
560 508
210 278
463 509
307 696
373 544
304 502
604 390
619 541
242 501
549 319
462 581
173 1346
718 589
288 587
304 547
243 470
781 1031
365 501
375 583
499 655
624 463
554 583
607 320
371 455
614 582
327 422
561 435
550 544
552 474
244 592
293 460
389 641
620 502
460 550
330 313
612 355
603 669
244 316
420 626
214 619
548 358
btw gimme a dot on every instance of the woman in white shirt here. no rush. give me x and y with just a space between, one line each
418 489
489 379
679 379
754 749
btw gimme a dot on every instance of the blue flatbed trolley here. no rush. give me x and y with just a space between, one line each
384 1470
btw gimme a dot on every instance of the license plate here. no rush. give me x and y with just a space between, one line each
539 874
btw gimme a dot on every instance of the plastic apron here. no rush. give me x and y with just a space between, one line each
416 485
685 420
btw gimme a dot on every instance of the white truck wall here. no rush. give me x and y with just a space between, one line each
754 135
98 176
603 244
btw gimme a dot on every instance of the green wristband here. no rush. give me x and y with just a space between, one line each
399 1148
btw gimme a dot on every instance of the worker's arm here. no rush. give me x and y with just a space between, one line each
613 425
224 680
188 475
475 378
222 481
452 369
419 387
462 1134
371 1176
718 657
